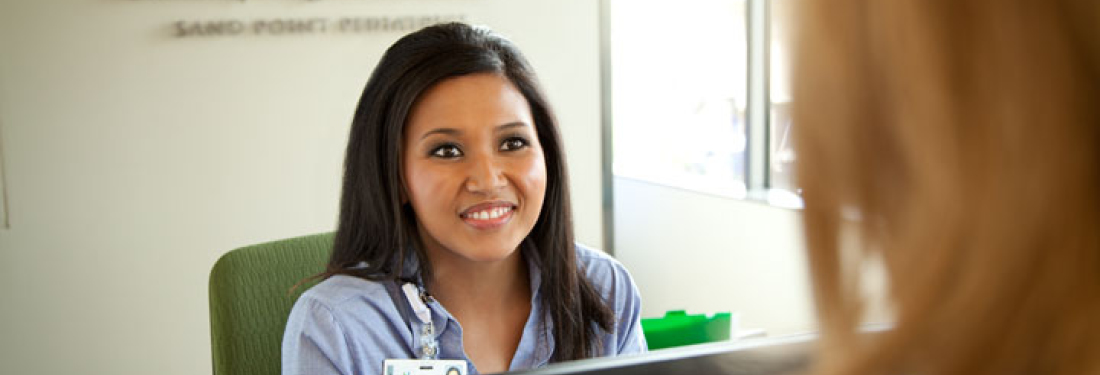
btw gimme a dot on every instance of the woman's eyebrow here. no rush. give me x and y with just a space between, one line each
511 125
456 132
443 131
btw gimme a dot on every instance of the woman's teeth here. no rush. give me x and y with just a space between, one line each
489 214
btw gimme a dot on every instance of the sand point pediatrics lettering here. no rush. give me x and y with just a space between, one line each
306 26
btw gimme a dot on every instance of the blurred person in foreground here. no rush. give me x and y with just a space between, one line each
957 142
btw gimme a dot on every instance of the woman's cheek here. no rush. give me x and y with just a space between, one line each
426 183
536 179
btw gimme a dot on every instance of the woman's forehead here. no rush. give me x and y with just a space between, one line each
474 102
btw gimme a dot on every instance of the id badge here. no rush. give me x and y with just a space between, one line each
424 367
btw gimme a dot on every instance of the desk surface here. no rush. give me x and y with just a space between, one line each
780 355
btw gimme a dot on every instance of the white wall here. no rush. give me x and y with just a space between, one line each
134 159
707 254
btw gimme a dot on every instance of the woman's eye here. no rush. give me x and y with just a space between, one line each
513 144
446 152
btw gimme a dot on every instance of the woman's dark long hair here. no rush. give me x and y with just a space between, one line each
376 228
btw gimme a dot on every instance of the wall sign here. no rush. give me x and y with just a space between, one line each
309 25
289 26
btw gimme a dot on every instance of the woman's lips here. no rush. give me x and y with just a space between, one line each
488 215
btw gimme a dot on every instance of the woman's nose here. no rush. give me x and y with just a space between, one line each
485 175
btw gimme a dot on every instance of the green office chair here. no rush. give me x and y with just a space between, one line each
250 300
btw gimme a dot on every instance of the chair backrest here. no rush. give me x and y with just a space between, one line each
250 300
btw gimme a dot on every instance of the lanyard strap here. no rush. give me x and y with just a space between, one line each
429 347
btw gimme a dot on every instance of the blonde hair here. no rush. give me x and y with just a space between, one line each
959 140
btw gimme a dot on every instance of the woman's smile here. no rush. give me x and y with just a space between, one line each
488 215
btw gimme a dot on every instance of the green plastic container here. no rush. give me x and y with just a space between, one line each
677 328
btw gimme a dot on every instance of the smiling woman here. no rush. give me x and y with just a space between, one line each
476 187
455 239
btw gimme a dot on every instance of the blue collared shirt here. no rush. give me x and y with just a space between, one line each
348 325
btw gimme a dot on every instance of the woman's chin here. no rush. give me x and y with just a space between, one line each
488 253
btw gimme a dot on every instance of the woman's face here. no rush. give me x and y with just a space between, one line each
473 168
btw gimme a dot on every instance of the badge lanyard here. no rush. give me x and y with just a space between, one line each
429 347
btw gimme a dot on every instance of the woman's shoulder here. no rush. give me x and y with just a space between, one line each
597 261
612 281
347 322
340 289
347 297
606 273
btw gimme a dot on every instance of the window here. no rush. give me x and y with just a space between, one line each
681 90
679 93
